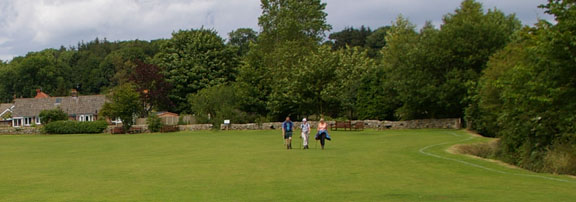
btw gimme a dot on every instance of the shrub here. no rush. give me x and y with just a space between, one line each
484 149
47 116
75 127
181 120
561 159
154 123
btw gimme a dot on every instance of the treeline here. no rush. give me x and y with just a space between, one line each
527 95
91 67
506 80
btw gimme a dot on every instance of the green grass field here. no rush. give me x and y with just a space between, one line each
393 165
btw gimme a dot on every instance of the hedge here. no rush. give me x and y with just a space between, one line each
75 127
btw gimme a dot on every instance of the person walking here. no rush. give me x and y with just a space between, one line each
305 126
287 128
322 133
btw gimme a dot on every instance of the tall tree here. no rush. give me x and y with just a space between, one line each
152 86
376 41
124 103
350 37
434 69
241 39
40 70
290 30
193 60
526 94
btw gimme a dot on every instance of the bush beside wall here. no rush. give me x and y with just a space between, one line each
75 127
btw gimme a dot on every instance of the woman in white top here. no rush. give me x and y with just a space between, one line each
322 134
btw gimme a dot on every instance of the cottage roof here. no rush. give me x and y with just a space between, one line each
166 114
5 106
5 113
29 107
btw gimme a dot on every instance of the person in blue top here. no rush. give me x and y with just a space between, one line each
287 128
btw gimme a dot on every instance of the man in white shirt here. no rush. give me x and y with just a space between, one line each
305 126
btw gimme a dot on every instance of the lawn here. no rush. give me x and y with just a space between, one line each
391 165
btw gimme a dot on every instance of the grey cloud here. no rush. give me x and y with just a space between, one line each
376 13
31 25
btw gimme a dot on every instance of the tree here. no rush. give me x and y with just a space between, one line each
47 116
526 94
290 30
124 103
241 38
193 60
152 86
377 99
464 45
376 41
90 77
8 76
404 73
350 37
154 123
433 70
284 21
38 70
217 103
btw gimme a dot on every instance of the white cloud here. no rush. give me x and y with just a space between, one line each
33 25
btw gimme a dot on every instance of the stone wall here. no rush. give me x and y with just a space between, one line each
423 123
374 124
193 127
190 127
19 131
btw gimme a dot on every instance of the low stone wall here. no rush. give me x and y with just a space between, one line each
423 124
19 131
374 124
266 126
193 127
190 127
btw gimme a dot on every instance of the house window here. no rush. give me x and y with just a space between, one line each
87 117
27 121
17 122
38 120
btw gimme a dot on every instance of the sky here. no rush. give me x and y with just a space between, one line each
35 25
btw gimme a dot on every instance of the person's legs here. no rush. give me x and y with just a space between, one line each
289 140
286 141
307 139
322 139
304 139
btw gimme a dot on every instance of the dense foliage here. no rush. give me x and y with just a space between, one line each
218 103
123 103
75 127
154 123
194 60
526 95
47 116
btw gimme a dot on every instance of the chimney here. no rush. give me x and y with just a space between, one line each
74 93
40 94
